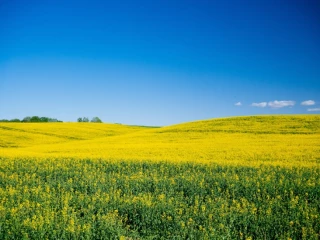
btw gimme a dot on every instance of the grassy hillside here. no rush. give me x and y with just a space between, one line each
231 178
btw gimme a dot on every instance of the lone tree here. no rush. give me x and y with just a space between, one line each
79 119
96 120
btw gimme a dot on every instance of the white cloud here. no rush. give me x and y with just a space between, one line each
262 104
308 103
313 109
281 104
238 104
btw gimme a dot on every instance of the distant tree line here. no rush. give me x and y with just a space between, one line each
85 119
36 119
32 119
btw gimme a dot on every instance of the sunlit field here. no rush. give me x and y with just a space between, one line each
231 178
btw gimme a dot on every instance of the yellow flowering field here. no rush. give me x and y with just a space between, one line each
232 178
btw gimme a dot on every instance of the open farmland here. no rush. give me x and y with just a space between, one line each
231 178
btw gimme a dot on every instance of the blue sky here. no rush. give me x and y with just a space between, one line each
158 62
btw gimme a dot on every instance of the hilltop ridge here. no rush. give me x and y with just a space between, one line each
257 124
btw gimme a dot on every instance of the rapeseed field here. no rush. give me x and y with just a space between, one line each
233 178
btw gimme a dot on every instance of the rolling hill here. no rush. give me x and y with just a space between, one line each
231 178
282 140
